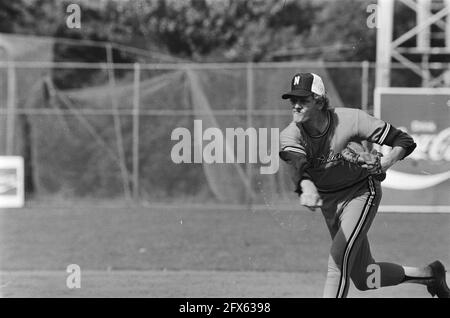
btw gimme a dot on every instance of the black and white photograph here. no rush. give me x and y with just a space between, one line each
246 151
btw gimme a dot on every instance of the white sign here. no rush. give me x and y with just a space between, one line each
11 182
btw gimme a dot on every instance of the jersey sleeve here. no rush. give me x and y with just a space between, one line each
371 128
380 132
294 154
290 141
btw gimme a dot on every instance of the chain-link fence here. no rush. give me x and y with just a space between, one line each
115 139
114 133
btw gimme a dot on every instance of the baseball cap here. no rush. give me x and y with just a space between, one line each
304 84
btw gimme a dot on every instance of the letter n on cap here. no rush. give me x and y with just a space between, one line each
296 80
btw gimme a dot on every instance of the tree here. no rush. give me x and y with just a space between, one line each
11 15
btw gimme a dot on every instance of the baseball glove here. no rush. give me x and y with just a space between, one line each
357 154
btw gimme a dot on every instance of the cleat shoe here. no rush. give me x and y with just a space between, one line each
438 286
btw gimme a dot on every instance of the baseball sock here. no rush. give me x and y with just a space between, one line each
417 275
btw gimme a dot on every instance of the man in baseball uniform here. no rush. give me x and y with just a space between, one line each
348 192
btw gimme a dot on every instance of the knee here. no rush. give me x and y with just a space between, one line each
359 279
364 281
360 283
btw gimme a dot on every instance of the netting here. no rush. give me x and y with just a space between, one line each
114 139
13 51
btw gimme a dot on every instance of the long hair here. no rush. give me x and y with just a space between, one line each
324 100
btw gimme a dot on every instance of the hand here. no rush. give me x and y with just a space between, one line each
386 163
311 200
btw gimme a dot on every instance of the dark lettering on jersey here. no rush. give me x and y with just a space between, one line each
330 159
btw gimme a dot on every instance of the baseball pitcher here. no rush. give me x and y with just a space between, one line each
332 171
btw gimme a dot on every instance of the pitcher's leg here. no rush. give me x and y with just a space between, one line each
355 220
343 254
350 255
367 274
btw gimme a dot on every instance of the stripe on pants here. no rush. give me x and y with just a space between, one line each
356 231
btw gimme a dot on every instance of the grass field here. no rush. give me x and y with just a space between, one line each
156 251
